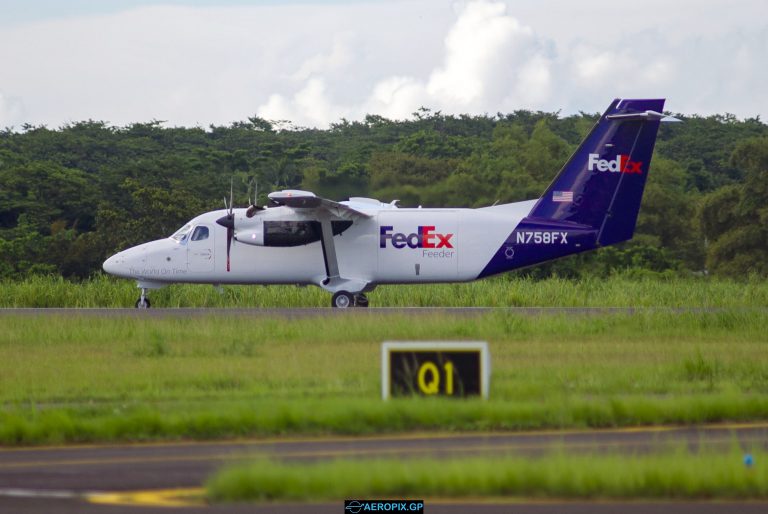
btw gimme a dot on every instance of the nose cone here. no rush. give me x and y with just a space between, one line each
126 263
112 265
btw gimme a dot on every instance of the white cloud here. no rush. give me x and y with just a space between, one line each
479 49
397 97
490 61
534 85
590 66
338 59
10 109
315 63
310 106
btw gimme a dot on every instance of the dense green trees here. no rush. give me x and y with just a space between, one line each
69 197
735 217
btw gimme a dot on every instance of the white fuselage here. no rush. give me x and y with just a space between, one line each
392 246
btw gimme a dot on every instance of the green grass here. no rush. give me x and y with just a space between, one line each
131 421
504 291
676 474
86 378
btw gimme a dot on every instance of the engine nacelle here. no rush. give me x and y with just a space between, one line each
251 236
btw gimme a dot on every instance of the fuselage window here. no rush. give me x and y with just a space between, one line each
200 233
298 233
291 233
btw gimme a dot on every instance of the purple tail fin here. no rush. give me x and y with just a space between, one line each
602 184
595 199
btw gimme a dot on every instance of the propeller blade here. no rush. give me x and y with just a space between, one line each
228 221
230 234
231 196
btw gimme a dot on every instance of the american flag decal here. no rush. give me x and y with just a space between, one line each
562 196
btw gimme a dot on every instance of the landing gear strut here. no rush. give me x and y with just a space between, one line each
361 300
143 301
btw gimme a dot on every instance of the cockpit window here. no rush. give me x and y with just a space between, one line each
181 234
200 233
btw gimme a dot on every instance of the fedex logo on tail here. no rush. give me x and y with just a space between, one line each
621 164
424 237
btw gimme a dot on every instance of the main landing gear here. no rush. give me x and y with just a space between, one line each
345 299
143 301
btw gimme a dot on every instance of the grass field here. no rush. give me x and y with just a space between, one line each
676 474
86 378
504 291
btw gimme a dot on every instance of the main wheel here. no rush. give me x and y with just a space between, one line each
143 305
342 300
361 300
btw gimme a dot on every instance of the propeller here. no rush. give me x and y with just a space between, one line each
228 221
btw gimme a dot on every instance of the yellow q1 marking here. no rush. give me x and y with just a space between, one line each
448 378
434 385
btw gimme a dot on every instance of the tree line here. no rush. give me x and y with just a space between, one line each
71 196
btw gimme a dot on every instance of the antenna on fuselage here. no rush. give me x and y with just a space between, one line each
253 208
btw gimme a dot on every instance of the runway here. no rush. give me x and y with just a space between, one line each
186 312
152 477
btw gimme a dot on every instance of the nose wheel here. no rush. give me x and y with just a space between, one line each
143 301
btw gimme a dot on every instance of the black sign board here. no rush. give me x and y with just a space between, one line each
435 369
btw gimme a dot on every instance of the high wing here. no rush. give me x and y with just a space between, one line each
298 199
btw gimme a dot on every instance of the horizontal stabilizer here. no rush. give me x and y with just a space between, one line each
647 115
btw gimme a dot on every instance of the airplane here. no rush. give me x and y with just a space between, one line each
350 247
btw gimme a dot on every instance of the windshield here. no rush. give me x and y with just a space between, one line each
181 234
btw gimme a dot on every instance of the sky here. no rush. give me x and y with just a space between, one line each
314 62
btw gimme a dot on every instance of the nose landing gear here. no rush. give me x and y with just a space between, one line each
143 302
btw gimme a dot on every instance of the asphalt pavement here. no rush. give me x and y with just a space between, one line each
158 477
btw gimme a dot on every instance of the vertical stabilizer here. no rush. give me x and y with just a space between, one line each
595 199
602 184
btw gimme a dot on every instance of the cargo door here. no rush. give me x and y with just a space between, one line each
418 245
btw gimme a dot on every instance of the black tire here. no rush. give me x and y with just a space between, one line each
146 305
361 300
342 300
